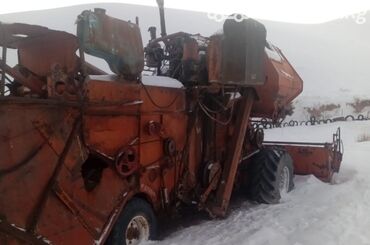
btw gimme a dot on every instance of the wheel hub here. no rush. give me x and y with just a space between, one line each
137 230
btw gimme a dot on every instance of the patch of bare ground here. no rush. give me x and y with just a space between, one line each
363 137
318 111
359 105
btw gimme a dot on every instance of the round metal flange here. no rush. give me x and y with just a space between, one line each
137 230
154 128
126 162
169 147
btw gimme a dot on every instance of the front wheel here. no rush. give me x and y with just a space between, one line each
270 175
136 224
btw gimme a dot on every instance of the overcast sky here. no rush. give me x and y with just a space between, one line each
295 11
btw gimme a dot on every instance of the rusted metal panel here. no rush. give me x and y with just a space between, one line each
13 34
10 232
30 81
242 47
112 115
33 151
190 50
319 159
33 136
196 150
125 126
110 89
214 58
60 225
109 134
118 42
283 84
162 99
71 191
41 53
40 48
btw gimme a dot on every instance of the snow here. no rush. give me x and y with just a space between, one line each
313 213
162 81
272 53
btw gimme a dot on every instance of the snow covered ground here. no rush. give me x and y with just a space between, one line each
313 213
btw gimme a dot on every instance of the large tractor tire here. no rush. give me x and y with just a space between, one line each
136 224
270 175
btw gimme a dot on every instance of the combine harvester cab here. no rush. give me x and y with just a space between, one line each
85 154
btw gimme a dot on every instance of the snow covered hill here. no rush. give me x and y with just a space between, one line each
313 213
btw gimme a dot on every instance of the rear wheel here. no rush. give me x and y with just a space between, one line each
136 224
270 175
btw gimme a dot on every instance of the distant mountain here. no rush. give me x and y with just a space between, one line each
332 58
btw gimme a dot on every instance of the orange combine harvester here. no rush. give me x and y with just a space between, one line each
92 158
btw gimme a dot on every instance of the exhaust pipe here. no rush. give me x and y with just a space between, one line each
161 15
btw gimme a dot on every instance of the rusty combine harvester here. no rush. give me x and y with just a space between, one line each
92 158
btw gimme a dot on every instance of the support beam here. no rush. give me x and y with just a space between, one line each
230 168
31 82
2 82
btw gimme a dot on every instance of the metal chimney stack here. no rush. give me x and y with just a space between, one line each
161 14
